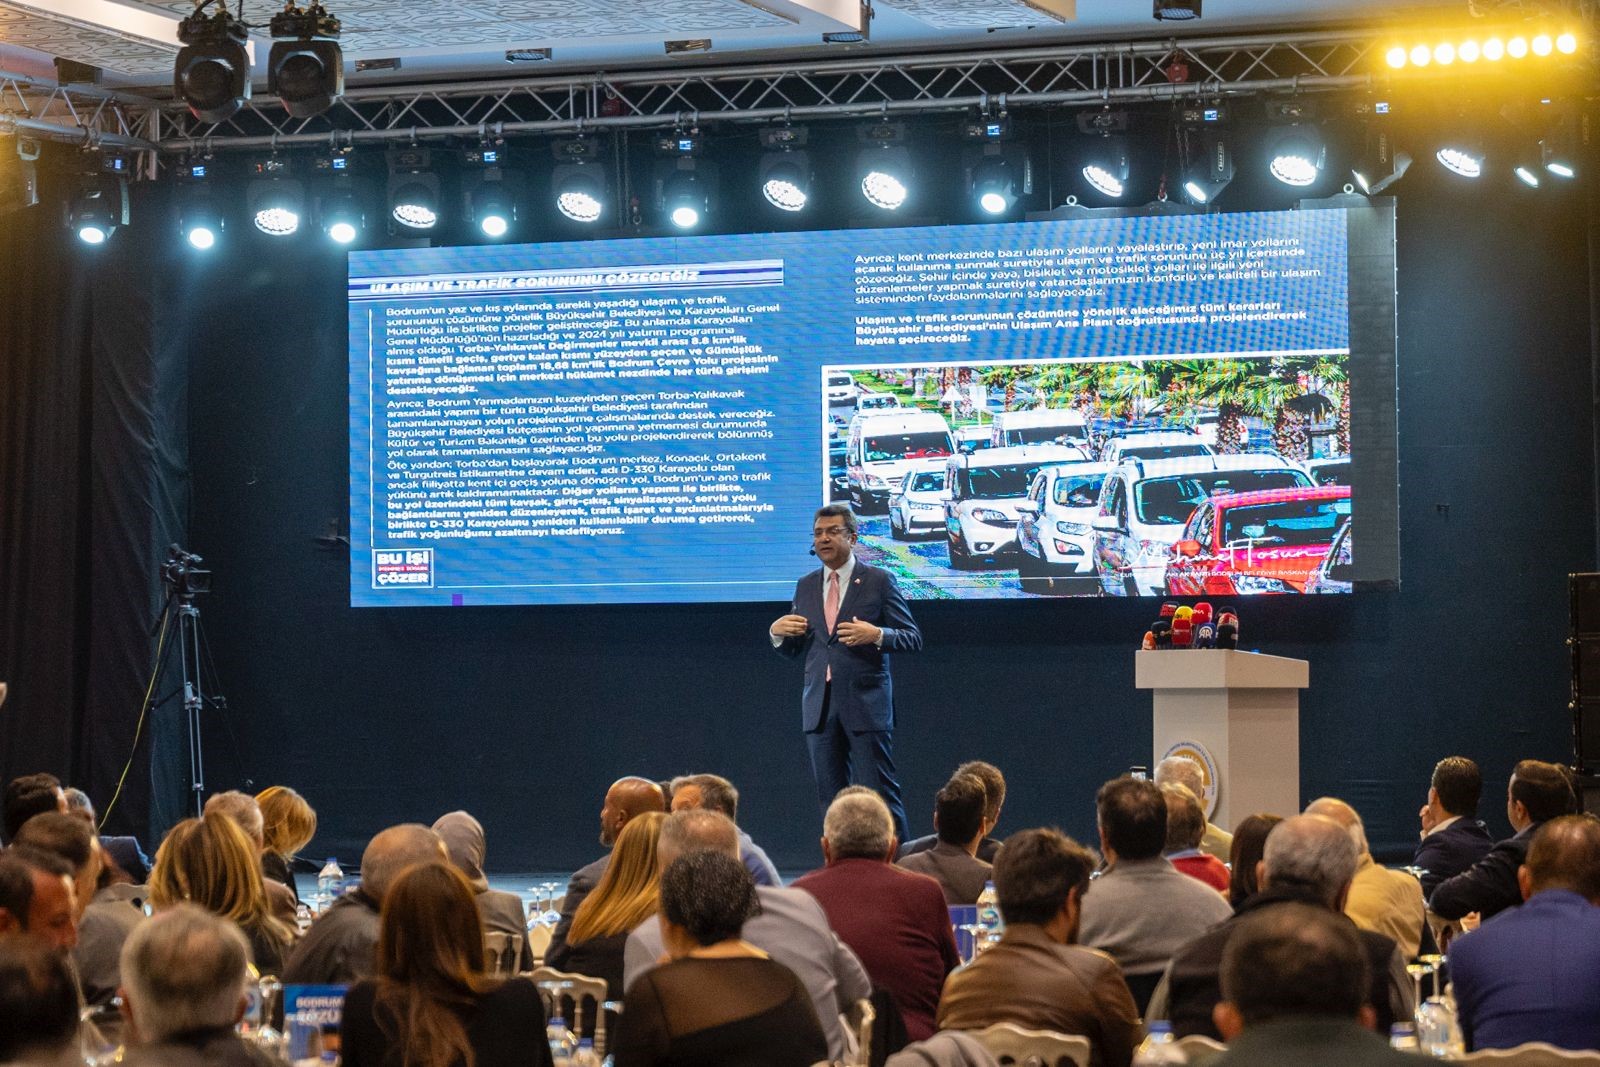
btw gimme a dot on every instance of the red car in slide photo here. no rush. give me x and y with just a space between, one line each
1263 542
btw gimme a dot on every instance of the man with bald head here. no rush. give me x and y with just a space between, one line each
627 798
791 927
1389 902
342 944
1532 973
1308 860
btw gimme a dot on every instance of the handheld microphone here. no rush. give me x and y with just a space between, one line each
1205 635
1227 633
1162 629
1186 613
1168 609
1202 612
1149 642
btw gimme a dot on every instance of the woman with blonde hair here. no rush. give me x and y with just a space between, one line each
287 825
210 862
628 894
431 1004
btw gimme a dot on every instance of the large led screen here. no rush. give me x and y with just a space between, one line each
1144 405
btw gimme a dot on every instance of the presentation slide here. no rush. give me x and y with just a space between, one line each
1151 405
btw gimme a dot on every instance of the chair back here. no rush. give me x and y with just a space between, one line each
500 953
1198 1048
585 991
1535 1054
1011 1044
858 1024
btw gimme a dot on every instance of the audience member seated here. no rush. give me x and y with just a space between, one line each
1537 792
27 796
628 894
430 1003
994 794
37 899
288 824
341 945
185 980
1186 825
103 923
242 808
210 862
1389 902
1453 837
958 818
125 853
790 927
721 999
1244 857
1143 909
1533 973
626 798
896 922
1293 980
1308 860
718 794
39 1003
502 912
1038 976
1181 770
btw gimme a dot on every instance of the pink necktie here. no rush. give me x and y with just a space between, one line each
830 609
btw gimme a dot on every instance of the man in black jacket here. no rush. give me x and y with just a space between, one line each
1538 792
1308 860
1453 838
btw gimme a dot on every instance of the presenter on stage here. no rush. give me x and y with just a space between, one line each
845 619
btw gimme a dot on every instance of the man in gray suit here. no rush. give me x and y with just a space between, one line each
953 862
791 927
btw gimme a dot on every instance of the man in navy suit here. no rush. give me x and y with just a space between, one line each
1453 838
845 619
1533 973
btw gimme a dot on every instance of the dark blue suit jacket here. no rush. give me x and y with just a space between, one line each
1531 974
1450 851
1489 886
863 693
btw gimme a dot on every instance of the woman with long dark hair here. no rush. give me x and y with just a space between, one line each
431 1004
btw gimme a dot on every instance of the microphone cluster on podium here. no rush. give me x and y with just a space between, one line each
1182 626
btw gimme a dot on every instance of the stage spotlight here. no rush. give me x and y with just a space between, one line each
1380 165
1462 159
1421 55
1567 44
684 186
414 203
490 194
275 201
579 180
884 167
1527 173
994 186
212 71
1469 52
305 69
683 198
1176 10
1494 50
1298 157
1209 170
98 207
1396 57
1517 47
1556 160
342 217
1105 160
199 220
1542 45
785 168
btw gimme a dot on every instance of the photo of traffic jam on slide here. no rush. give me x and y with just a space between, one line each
1209 477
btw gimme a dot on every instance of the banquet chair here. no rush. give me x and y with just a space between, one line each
1011 1044
501 952
585 990
858 1026
1198 1048
1534 1054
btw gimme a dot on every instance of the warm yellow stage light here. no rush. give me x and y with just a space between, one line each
1396 57
1494 49
1468 52
1567 43
1444 54
1420 55
1517 47
1542 45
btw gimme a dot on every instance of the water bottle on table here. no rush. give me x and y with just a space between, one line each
328 880
1158 1048
989 920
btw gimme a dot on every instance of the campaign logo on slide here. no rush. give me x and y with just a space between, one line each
402 567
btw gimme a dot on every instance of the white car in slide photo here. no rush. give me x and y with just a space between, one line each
917 508
982 491
1055 529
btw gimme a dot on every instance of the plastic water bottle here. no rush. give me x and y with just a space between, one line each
1403 1036
586 1056
561 1040
328 880
1158 1048
989 917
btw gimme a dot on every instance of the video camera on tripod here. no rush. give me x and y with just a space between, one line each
183 574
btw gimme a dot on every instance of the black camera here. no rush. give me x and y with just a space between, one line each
183 574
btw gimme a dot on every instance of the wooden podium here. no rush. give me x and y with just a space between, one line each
1244 708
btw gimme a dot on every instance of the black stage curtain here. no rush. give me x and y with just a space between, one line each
93 485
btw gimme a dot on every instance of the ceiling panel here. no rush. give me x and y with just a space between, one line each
101 46
981 14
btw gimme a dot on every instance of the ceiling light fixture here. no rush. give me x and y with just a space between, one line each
785 169
305 69
212 71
